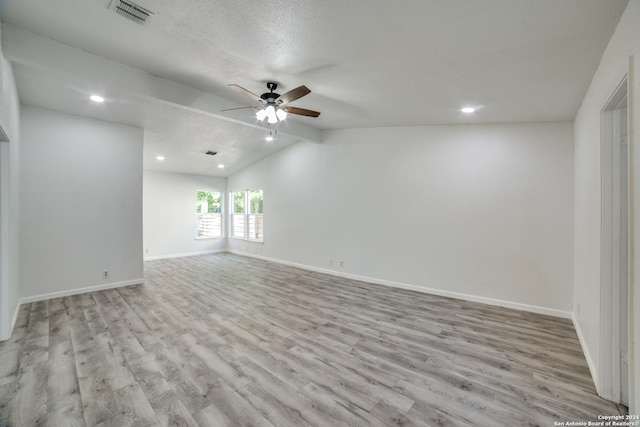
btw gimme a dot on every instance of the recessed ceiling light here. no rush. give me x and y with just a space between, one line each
468 110
97 98
269 138
160 158
221 166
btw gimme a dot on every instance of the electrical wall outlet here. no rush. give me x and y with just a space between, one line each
105 274
341 264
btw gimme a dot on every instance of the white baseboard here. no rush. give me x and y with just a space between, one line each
215 251
65 293
587 355
423 289
14 319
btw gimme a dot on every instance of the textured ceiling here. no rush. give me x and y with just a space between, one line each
368 63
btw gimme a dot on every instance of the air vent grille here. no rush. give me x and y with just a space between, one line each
131 11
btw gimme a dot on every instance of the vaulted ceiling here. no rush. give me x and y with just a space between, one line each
368 63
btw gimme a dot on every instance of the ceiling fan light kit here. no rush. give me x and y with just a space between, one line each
281 114
269 112
273 106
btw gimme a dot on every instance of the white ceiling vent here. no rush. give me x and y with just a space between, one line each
131 11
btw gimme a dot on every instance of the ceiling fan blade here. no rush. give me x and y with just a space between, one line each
247 93
293 94
239 109
301 111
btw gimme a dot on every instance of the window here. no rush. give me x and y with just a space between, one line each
256 223
247 220
209 213
238 223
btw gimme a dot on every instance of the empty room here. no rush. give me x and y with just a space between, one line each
329 213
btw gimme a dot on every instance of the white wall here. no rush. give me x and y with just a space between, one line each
9 197
170 225
587 247
483 212
81 200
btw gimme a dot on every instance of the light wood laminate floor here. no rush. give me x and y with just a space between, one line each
221 340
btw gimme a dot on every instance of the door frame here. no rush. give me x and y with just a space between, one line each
5 304
613 292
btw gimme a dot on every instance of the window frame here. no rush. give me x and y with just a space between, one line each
249 213
233 213
246 214
219 214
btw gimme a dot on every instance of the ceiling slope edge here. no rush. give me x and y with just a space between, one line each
30 49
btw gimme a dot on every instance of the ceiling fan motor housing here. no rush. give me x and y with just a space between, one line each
270 96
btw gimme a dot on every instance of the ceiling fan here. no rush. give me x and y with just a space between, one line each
273 106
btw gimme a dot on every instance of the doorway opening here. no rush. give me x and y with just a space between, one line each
614 280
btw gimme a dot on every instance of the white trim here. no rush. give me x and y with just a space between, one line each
43 297
242 239
423 289
5 261
214 251
587 355
634 233
14 319
611 256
